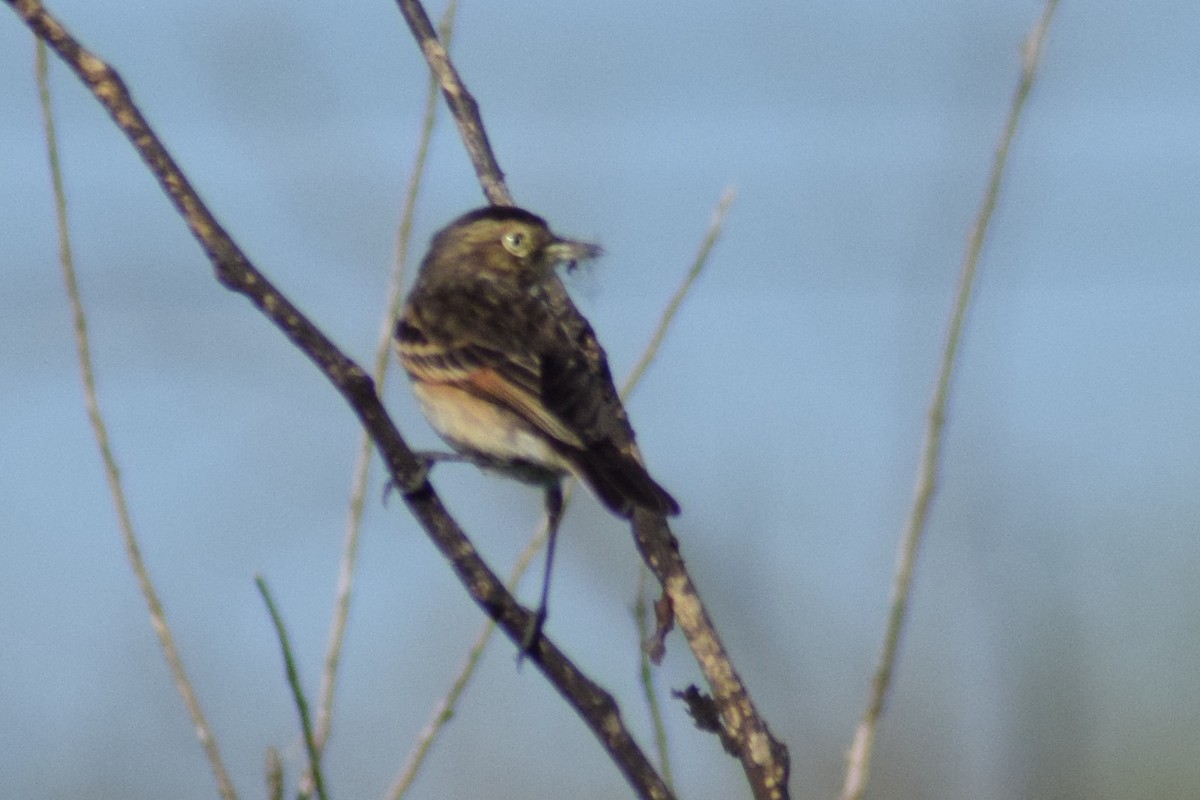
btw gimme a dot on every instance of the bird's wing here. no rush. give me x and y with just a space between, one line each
559 383
577 387
513 381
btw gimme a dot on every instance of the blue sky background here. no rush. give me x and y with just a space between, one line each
1054 640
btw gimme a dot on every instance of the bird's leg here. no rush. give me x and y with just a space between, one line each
554 510
427 458
432 457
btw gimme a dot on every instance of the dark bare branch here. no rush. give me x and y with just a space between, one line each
235 271
462 104
763 757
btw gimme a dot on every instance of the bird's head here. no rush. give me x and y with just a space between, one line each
506 240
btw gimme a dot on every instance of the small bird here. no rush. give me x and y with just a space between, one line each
510 374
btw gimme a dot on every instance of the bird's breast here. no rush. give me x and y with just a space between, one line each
479 427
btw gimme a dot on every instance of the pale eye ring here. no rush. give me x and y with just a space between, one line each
516 242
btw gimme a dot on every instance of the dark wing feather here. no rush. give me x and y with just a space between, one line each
577 386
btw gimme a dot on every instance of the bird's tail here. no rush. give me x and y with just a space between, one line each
621 482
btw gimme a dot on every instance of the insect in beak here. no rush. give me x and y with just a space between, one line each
570 252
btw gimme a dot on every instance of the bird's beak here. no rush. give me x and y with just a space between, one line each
569 252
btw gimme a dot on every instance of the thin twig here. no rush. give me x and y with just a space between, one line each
641 613
383 350
462 104
641 604
234 270
293 679
710 238
444 710
764 758
859 758
133 550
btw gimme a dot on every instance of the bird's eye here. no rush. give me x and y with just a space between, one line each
516 242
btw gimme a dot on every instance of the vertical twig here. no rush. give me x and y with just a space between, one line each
462 105
133 550
745 733
383 350
764 758
715 225
293 679
640 611
859 758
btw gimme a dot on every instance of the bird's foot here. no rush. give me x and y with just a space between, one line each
533 633
427 459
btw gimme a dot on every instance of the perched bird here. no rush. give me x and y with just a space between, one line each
509 372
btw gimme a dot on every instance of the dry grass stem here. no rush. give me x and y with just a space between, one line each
859 757
133 550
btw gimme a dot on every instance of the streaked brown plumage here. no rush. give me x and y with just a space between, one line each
506 368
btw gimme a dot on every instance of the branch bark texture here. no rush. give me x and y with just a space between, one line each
462 105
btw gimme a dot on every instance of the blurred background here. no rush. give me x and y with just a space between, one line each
1054 639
